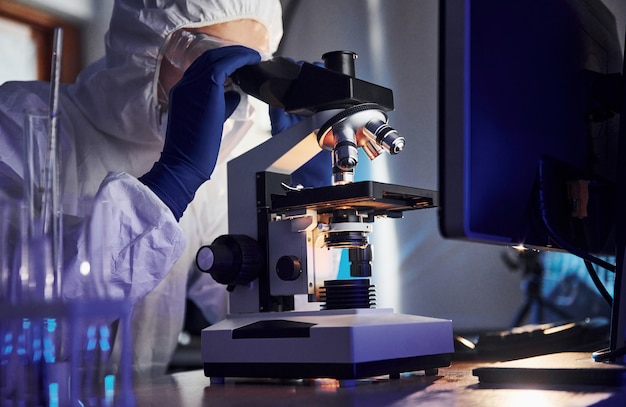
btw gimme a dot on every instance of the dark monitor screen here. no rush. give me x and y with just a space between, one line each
529 131
528 137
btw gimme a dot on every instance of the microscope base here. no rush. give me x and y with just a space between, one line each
338 344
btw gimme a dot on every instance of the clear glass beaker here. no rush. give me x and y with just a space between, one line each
56 351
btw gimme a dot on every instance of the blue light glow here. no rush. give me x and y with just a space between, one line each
49 351
105 334
91 337
37 351
7 347
53 389
109 389
51 324
49 354
21 344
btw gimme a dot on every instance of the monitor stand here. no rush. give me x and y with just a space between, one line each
566 368
572 368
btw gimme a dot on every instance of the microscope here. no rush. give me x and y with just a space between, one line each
290 317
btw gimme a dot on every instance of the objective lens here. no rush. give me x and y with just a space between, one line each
385 135
372 149
345 156
345 153
363 125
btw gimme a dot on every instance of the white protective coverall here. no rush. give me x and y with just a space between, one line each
110 134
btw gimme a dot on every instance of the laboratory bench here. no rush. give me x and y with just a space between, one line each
455 385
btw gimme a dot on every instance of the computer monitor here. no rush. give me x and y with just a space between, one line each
529 107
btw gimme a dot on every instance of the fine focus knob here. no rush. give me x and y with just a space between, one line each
231 259
288 268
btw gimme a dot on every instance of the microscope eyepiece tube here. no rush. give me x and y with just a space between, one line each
340 61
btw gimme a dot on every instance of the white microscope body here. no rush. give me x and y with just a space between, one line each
281 246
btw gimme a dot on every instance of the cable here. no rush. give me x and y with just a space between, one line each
603 355
577 252
596 281
572 249
588 260
543 214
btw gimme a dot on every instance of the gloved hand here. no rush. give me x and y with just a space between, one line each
281 120
197 110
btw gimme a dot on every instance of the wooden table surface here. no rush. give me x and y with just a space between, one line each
452 386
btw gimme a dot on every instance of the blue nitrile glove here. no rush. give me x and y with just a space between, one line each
197 110
318 171
281 120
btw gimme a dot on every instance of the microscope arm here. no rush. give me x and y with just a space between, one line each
282 154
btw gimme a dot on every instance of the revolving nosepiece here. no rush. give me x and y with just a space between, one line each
363 125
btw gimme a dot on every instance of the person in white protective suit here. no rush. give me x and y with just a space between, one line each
121 145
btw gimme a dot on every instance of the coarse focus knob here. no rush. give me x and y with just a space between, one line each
231 259
288 268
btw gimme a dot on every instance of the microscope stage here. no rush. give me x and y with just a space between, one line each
376 197
339 344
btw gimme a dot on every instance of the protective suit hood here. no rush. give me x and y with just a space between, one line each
137 32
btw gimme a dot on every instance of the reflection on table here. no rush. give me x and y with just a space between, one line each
454 386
